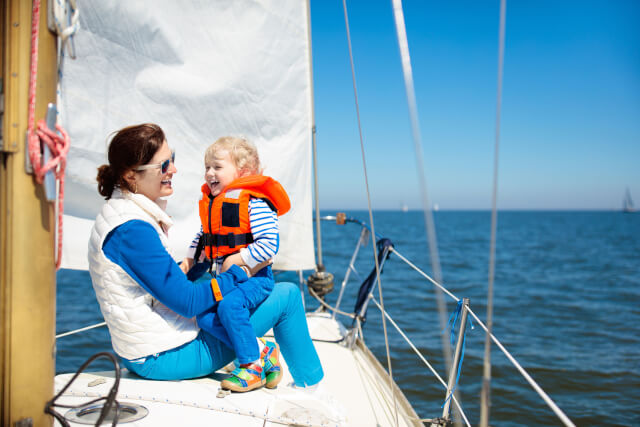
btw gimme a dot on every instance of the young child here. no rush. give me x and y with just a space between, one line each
239 212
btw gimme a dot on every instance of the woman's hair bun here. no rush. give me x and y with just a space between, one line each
106 181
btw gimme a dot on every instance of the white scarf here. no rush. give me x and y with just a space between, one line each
156 209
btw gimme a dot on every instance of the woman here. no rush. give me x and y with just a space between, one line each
145 298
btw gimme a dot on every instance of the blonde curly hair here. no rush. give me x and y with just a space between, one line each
243 153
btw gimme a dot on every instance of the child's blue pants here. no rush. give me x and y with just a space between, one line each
229 320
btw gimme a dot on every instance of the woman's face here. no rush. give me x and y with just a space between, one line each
151 182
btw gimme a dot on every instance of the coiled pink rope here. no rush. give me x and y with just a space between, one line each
58 143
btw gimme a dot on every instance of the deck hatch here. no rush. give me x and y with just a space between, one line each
129 412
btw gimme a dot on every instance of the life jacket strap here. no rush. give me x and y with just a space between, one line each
230 240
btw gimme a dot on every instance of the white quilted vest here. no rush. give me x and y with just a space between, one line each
138 323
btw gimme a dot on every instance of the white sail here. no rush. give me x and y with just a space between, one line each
200 70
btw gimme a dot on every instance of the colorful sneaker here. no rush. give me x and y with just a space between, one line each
247 377
270 357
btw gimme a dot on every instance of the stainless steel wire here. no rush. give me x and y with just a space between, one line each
86 328
424 360
563 417
432 240
373 233
485 399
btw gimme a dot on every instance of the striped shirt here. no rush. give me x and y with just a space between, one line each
265 231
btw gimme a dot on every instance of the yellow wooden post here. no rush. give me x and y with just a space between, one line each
27 271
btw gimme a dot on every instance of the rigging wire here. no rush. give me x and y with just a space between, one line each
425 275
424 360
485 397
526 375
403 45
86 328
373 233
563 417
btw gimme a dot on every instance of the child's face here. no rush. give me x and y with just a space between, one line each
220 171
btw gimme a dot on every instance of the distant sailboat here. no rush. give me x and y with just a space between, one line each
627 204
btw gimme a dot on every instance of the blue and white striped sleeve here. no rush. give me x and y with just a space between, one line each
191 251
266 234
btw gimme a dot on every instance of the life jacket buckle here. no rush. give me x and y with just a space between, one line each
231 240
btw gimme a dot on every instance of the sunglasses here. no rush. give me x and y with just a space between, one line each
164 166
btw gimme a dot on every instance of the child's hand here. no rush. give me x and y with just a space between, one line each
232 259
186 265
260 266
250 272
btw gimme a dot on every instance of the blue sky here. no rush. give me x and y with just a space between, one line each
570 134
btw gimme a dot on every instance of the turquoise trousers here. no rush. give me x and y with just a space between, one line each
282 311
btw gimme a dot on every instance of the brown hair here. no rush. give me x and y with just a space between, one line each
129 148
243 153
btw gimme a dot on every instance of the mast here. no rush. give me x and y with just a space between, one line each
314 154
321 281
27 265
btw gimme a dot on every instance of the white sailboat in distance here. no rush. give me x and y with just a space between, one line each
627 203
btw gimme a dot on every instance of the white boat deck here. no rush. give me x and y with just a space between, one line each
355 391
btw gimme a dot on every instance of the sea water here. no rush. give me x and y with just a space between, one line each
566 294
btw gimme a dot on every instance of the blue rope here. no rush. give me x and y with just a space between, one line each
454 317
452 340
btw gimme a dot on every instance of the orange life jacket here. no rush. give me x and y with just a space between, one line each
225 217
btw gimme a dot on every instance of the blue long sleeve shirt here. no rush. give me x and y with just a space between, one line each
136 247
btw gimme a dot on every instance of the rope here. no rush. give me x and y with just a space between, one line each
431 368
67 23
58 143
373 232
109 400
327 306
453 320
526 375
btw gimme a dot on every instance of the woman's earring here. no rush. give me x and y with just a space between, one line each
135 189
